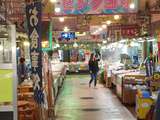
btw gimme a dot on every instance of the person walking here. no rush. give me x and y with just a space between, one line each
22 70
93 69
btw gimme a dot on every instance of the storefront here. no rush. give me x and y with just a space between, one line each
131 65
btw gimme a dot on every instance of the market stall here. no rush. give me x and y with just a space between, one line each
131 73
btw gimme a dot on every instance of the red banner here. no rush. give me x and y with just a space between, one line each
124 31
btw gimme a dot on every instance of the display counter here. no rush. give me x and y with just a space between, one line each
58 76
131 83
77 67
126 83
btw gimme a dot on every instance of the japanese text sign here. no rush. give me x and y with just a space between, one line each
33 12
96 6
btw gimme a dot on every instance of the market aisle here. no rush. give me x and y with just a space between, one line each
79 102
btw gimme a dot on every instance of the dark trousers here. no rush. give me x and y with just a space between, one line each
93 78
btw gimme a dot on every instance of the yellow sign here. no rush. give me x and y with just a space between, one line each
6 85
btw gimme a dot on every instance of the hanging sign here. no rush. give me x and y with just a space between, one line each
33 12
96 6
124 31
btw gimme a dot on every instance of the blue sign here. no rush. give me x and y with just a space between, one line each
34 14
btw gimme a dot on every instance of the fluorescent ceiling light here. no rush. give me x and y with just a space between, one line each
100 29
108 22
151 40
104 26
104 42
57 45
132 6
26 43
53 1
57 10
66 29
116 17
1 47
61 19
75 45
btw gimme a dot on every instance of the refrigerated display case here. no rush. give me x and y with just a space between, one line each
8 73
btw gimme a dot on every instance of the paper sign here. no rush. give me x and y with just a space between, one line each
6 86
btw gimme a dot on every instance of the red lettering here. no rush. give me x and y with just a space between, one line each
81 4
95 4
110 4
124 3
68 4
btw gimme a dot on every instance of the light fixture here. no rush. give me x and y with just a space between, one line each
61 19
66 29
1 47
132 6
134 44
44 44
141 41
151 40
104 42
116 17
26 43
104 26
5 34
108 22
75 45
57 45
100 29
53 1
103 47
57 9
96 31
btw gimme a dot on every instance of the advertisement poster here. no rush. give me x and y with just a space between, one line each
96 6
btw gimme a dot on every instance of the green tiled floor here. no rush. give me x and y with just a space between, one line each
79 102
